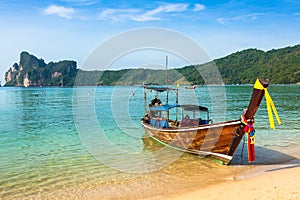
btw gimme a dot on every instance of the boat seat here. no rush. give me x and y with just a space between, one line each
189 122
202 121
159 123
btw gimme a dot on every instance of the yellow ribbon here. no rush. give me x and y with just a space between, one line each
270 104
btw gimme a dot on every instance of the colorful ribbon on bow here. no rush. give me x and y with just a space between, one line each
270 105
249 130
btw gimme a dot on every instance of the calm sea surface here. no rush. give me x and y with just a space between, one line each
88 142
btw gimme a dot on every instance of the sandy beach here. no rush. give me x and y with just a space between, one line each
276 181
263 180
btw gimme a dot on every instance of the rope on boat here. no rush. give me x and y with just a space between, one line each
270 105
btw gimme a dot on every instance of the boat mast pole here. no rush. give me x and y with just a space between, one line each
145 99
167 79
176 104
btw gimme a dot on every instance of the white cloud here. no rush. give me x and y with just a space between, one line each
178 7
141 15
82 2
148 16
166 8
252 16
60 11
199 7
221 20
118 15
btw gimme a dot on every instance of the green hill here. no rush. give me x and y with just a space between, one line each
281 66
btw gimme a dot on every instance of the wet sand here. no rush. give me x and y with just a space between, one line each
275 175
276 181
186 174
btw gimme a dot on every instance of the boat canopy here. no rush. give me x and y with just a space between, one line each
194 107
159 88
185 107
163 107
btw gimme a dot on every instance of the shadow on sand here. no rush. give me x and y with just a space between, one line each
264 156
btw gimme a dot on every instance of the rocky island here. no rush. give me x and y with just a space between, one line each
32 71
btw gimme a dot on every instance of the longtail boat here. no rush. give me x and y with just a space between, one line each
195 132
191 87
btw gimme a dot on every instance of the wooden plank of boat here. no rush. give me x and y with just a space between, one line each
214 140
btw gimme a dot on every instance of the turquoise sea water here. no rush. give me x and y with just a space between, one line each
63 142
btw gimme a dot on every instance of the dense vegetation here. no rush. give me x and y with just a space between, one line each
281 66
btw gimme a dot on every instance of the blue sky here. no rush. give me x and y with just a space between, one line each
71 29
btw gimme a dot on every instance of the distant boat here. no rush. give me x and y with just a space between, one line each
195 132
192 87
26 84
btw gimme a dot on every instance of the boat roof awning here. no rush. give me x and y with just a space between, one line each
194 107
185 107
159 88
163 107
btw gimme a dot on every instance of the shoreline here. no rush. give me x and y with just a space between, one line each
263 180
275 181
274 175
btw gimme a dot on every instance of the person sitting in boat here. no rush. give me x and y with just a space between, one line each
155 102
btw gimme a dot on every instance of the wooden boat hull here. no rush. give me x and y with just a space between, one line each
219 140
215 140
